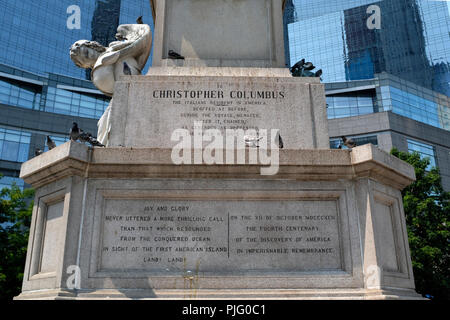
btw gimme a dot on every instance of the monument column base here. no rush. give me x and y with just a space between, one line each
123 223
280 294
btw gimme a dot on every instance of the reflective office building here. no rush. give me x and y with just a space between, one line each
386 68
41 90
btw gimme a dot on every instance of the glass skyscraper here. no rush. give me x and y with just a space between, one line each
36 37
400 67
412 43
390 56
41 90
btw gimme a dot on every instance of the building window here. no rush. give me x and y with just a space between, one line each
17 94
8 182
14 145
425 151
335 143
350 105
360 141
414 107
75 104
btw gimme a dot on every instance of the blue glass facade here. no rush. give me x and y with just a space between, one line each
350 105
76 104
36 38
411 106
36 72
412 101
425 151
19 94
48 94
413 41
7 182
390 93
14 145
362 140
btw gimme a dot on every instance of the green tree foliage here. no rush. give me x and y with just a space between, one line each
15 217
427 210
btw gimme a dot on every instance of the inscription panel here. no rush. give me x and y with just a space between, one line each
159 108
225 236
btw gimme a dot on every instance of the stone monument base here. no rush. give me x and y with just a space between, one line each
148 111
205 294
122 223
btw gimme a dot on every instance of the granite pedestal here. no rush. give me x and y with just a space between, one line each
129 222
126 223
146 111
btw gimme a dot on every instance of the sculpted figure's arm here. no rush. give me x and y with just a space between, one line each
119 45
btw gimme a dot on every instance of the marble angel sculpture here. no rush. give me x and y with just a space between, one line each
126 56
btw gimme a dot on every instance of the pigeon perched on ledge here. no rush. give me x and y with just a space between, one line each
175 56
349 143
304 69
38 152
280 142
77 134
74 132
298 65
50 143
308 66
139 20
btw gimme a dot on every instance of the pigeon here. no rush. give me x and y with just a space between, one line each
280 142
139 20
87 137
299 64
349 143
77 134
174 55
251 142
38 152
308 66
50 143
126 69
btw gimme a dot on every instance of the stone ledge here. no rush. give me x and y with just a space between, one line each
69 158
205 74
303 294
223 72
312 165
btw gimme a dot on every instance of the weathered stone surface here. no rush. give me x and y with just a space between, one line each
220 33
222 231
219 236
127 222
148 110
311 165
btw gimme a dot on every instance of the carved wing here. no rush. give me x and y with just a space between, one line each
140 38
138 45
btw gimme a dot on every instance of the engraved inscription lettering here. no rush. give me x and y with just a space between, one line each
228 236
